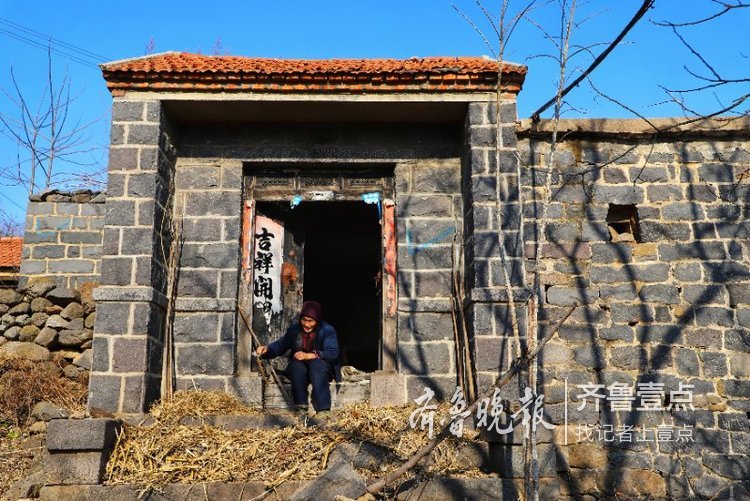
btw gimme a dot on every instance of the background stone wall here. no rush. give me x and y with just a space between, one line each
669 304
63 237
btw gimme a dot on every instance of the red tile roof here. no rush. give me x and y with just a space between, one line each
179 71
10 252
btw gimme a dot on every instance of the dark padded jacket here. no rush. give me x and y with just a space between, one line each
325 344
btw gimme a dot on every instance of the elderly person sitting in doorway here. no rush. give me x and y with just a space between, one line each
313 356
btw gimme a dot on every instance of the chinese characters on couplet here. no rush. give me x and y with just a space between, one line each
267 266
617 397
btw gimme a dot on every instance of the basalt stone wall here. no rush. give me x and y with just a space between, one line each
209 188
650 237
63 237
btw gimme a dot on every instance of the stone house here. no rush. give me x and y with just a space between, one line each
365 184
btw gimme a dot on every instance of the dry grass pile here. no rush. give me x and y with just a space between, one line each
15 461
23 383
167 452
158 455
198 404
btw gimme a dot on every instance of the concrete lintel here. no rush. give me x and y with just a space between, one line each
133 294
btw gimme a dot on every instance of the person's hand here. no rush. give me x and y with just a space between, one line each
302 356
261 350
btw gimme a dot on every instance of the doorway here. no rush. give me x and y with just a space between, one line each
342 272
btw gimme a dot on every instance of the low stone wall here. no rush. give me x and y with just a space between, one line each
51 317
63 237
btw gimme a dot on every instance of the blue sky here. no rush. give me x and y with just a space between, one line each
650 56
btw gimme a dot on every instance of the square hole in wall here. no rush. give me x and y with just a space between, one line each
622 222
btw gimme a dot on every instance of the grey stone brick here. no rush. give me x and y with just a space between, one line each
660 293
659 334
704 294
48 251
53 222
127 111
664 193
122 159
652 231
571 193
703 338
431 231
611 252
100 354
590 356
40 237
657 272
704 231
419 327
617 332
117 134
196 327
433 283
714 364
692 272
424 358
40 208
424 205
734 466
81 434
141 186
202 230
116 270
737 388
143 134
713 316
716 173
81 237
129 354
229 284
563 232
682 212
649 174
104 392
726 271
594 232
424 257
120 212
568 296
686 361
436 180
622 195
198 283
693 250
206 359
148 159
615 175
739 293
112 318
198 177
628 357
148 272
71 266
214 203
138 240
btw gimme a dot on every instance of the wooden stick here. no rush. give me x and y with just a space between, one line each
518 364
275 376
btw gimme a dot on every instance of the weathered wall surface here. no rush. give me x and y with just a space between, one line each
670 305
209 189
63 238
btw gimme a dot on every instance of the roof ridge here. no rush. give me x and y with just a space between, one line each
138 58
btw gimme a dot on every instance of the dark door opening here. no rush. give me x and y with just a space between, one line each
342 262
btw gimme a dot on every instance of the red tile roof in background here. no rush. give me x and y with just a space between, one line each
10 252
179 71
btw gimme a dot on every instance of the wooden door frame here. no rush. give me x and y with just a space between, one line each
388 359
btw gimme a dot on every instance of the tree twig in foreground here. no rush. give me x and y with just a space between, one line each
518 364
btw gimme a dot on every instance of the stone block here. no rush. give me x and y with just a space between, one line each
112 318
568 296
78 467
387 388
116 270
104 392
81 434
417 326
659 293
127 111
652 231
206 359
122 159
210 256
142 134
425 358
248 388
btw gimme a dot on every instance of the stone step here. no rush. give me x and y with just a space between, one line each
342 394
